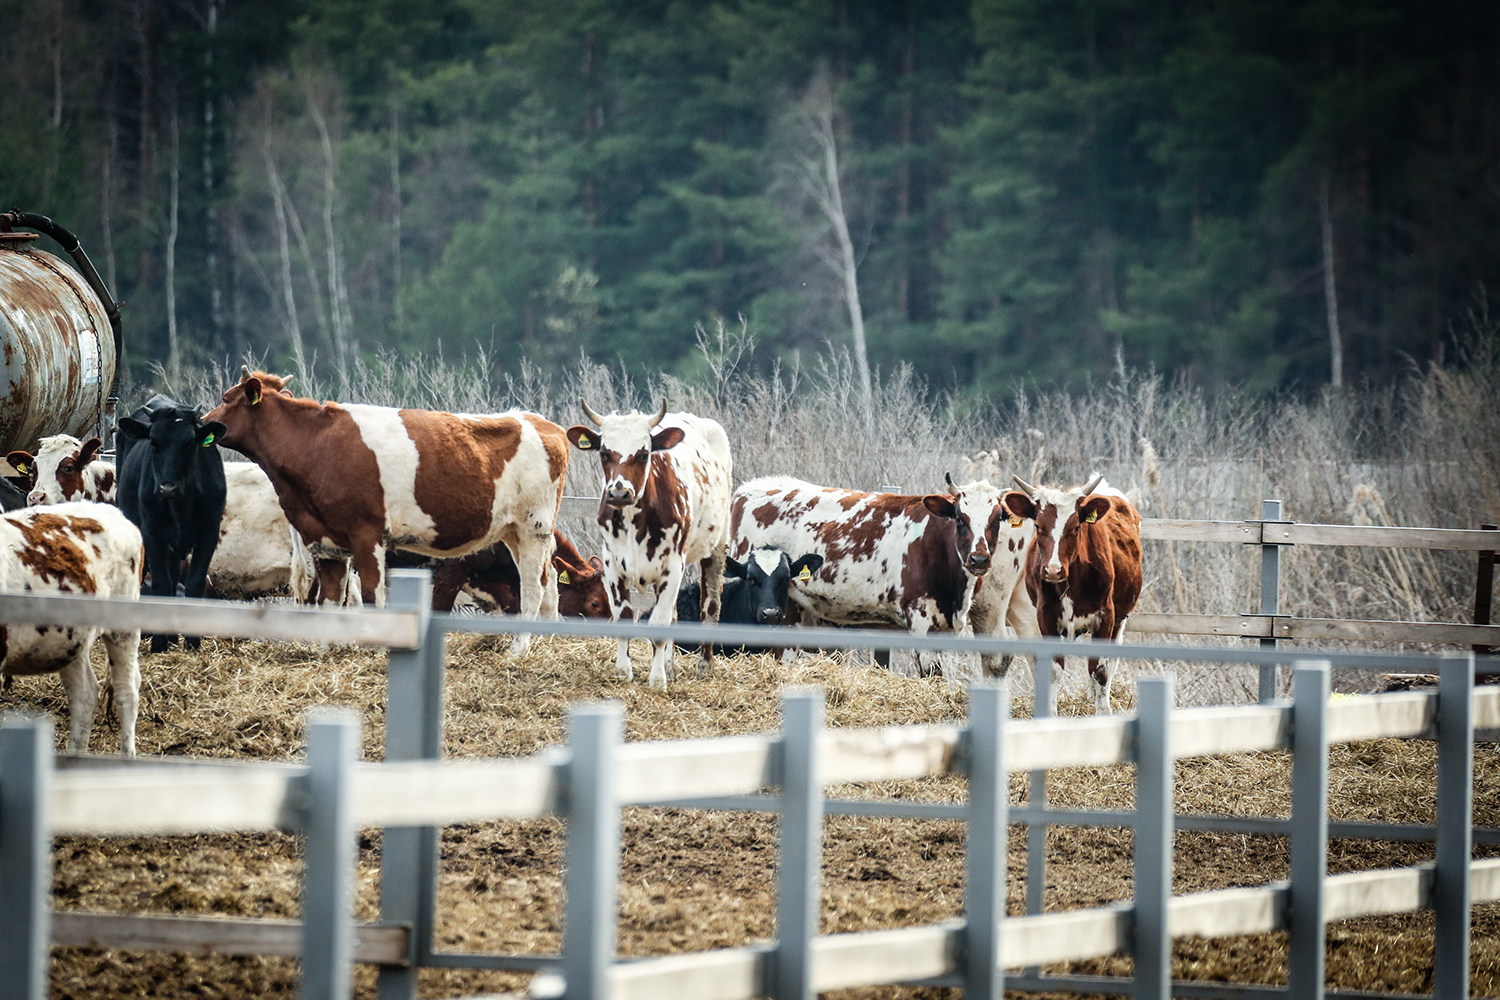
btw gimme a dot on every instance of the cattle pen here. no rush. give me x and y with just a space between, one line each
587 783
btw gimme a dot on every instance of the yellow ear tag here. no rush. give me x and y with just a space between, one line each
563 579
1015 520
584 442
23 470
805 575
1093 516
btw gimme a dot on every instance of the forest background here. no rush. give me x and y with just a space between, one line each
1264 194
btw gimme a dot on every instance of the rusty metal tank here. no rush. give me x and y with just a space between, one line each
58 343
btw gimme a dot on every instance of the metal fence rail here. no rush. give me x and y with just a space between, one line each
587 783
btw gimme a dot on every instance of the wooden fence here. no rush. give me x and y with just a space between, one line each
413 792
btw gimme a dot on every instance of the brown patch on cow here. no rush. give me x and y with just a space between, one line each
766 514
106 482
555 438
458 461
53 553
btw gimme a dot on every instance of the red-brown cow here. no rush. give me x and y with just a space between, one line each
354 480
490 575
1084 568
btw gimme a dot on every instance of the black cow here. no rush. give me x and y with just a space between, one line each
755 591
172 487
11 498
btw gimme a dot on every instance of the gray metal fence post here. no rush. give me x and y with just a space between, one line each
1036 800
25 857
331 852
989 799
591 884
1455 817
413 731
1270 590
1154 822
800 876
1307 916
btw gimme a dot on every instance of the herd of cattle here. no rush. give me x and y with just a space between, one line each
334 493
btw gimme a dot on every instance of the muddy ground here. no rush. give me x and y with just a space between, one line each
692 880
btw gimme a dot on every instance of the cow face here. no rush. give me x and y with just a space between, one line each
976 511
175 436
25 465
239 408
624 442
581 592
59 467
1059 517
767 575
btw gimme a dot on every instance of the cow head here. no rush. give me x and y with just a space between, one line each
241 405
624 442
57 471
175 436
976 512
25 465
581 592
767 575
1060 515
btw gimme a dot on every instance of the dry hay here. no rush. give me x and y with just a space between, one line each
691 879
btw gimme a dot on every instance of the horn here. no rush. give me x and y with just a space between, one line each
588 411
1026 487
659 413
1095 482
244 372
952 490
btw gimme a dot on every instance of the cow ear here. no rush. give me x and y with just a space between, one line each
942 506
1093 510
20 461
597 563
1019 504
666 438
210 432
733 567
804 568
253 389
89 451
583 438
138 430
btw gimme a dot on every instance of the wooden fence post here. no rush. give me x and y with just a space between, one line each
413 731
25 857
1154 821
800 855
1307 915
593 851
1455 836
986 851
331 852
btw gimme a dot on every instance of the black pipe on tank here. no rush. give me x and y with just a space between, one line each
73 247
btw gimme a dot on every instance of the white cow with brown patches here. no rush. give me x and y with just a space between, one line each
355 480
74 548
665 503
938 561
66 468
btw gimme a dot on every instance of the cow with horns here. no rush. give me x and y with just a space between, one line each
1084 568
354 480
665 502
948 561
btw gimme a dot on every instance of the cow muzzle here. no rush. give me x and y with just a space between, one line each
619 496
978 563
35 498
770 616
168 491
1054 574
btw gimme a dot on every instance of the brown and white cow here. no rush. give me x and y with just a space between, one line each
490 575
354 480
74 548
665 502
66 469
1084 570
940 561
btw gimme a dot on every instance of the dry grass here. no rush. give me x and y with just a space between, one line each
692 879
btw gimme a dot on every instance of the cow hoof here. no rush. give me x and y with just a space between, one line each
192 642
658 680
705 668
159 643
519 645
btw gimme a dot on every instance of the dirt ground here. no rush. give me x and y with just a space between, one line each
692 880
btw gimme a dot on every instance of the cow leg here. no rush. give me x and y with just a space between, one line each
928 664
332 580
619 602
532 556
368 559
1099 672
710 590
125 678
82 687
195 582
664 613
164 569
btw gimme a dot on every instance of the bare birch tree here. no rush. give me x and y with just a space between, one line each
319 102
1330 288
174 351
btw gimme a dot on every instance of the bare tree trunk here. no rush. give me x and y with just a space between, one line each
396 209
211 258
174 356
289 298
338 294
106 200
1330 289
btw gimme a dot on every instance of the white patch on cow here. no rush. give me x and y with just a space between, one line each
767 560
384 433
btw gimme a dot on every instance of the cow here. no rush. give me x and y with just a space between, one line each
665 502
490 575
355 480
254 555
11 498
918 562
74 548
1084 568
756 592
65 468
172 487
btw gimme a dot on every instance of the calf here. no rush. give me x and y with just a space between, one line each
912 561
66 469
665 501
354 480
172 487
73 548
1084 568
756 592
490 575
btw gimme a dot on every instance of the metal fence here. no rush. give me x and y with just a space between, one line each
413 792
